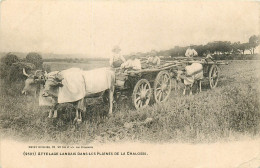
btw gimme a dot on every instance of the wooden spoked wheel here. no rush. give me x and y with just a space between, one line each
141 94
162 86
213 76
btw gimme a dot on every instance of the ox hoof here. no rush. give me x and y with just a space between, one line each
55 115
79 121
109 115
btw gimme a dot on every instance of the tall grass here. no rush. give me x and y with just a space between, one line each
227 112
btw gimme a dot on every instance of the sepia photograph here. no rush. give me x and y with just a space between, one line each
120 83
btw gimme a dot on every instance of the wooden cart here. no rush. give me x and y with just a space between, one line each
211 68
154 82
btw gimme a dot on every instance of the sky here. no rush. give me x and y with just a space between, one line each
93 28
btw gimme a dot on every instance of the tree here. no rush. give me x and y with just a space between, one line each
178 51
9 59
225 47
219 47
201 49
35 59
175 51
212 47
235 47
253 43
244 46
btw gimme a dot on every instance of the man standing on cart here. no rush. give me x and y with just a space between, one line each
191 52
117 59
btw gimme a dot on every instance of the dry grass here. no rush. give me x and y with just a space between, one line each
228 112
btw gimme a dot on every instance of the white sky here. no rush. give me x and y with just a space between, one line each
93 28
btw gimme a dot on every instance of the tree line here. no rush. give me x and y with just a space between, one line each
11 66
217 47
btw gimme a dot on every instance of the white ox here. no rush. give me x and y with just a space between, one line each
74 85
33 82
192 73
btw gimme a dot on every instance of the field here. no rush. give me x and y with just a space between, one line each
229 112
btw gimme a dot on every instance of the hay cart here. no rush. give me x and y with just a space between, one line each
211 68
146 84
155 82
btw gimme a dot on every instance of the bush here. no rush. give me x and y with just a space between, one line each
46 68
16 71
6 63
35 59
9 59
3 70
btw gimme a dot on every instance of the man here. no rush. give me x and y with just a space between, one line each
208 58
208 55
117 59
153 59
191 52
132 63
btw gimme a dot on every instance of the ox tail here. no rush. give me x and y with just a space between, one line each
113 80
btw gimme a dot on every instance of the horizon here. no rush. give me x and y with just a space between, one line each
93 28
61 55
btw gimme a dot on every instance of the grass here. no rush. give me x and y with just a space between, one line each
227 112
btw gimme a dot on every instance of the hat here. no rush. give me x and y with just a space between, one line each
191 46
153 52
132 56
116 49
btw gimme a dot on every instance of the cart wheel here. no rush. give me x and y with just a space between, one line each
162 86
141 94
213 76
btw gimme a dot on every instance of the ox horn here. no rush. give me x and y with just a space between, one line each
37 72
25 73
58 76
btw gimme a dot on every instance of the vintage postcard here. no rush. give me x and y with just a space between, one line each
129 83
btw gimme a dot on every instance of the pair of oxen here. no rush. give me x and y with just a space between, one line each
70 86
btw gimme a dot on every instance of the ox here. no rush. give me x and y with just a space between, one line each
193 73
33 82
75 85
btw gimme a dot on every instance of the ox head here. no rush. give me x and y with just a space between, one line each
52 84
33 81
180 75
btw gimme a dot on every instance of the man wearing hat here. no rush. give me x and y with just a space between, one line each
153 58
191 52
132 63
117 59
